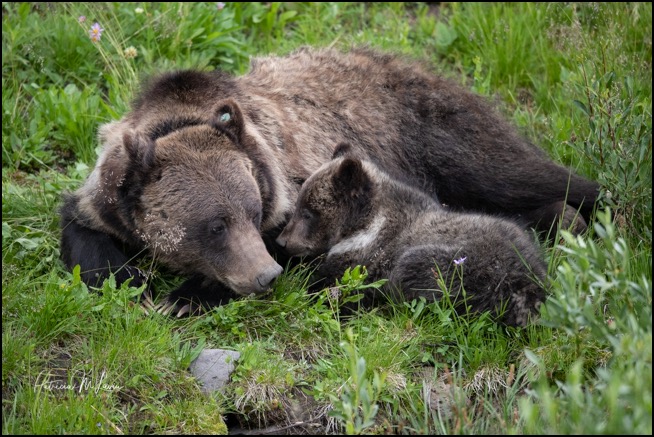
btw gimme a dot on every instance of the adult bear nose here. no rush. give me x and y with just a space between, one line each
266 278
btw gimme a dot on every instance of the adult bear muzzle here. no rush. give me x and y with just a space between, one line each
252 269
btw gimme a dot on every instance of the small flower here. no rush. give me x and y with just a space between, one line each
96 32
220 5
460 260
130 52
81 19
138 10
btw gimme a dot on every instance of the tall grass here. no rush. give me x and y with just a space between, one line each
575 77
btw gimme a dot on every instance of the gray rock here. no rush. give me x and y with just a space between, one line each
213 367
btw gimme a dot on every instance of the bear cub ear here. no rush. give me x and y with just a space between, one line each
227 117
342 149
351 178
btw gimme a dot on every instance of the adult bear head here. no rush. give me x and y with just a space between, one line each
194 197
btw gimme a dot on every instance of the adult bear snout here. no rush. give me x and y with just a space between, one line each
266 278
249 268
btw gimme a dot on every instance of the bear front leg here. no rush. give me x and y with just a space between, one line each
196 294
97 255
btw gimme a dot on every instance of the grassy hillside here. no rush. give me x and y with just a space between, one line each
575 77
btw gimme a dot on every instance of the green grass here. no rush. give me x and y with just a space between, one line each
575 77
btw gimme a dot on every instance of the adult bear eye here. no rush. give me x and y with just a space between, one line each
218 227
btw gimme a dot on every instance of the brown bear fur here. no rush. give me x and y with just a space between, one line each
285 116
355 214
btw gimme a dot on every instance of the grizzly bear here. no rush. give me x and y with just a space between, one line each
356 214
204 171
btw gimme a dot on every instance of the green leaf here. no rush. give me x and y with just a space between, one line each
99 307
581 106
71 89
287 16
29 243
533 358
445 35
6 231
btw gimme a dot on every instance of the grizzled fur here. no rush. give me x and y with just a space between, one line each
169 194
355 213
174 162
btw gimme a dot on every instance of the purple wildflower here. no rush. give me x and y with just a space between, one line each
220 5
81 19
96 32
460 260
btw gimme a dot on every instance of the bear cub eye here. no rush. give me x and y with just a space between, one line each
306 214
257 219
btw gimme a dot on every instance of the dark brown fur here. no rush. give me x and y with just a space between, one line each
291 110
356 214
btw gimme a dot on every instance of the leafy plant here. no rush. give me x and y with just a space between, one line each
351 287
356 407
619 144
597 301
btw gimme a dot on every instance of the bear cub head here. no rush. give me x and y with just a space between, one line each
334 203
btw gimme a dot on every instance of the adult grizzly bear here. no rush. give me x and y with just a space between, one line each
202 155
355 214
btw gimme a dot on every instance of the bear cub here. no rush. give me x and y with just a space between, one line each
354 213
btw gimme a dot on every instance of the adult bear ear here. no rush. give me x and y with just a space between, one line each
138 168
351 179
227 117
140 151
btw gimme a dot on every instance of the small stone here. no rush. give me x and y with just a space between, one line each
213 368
